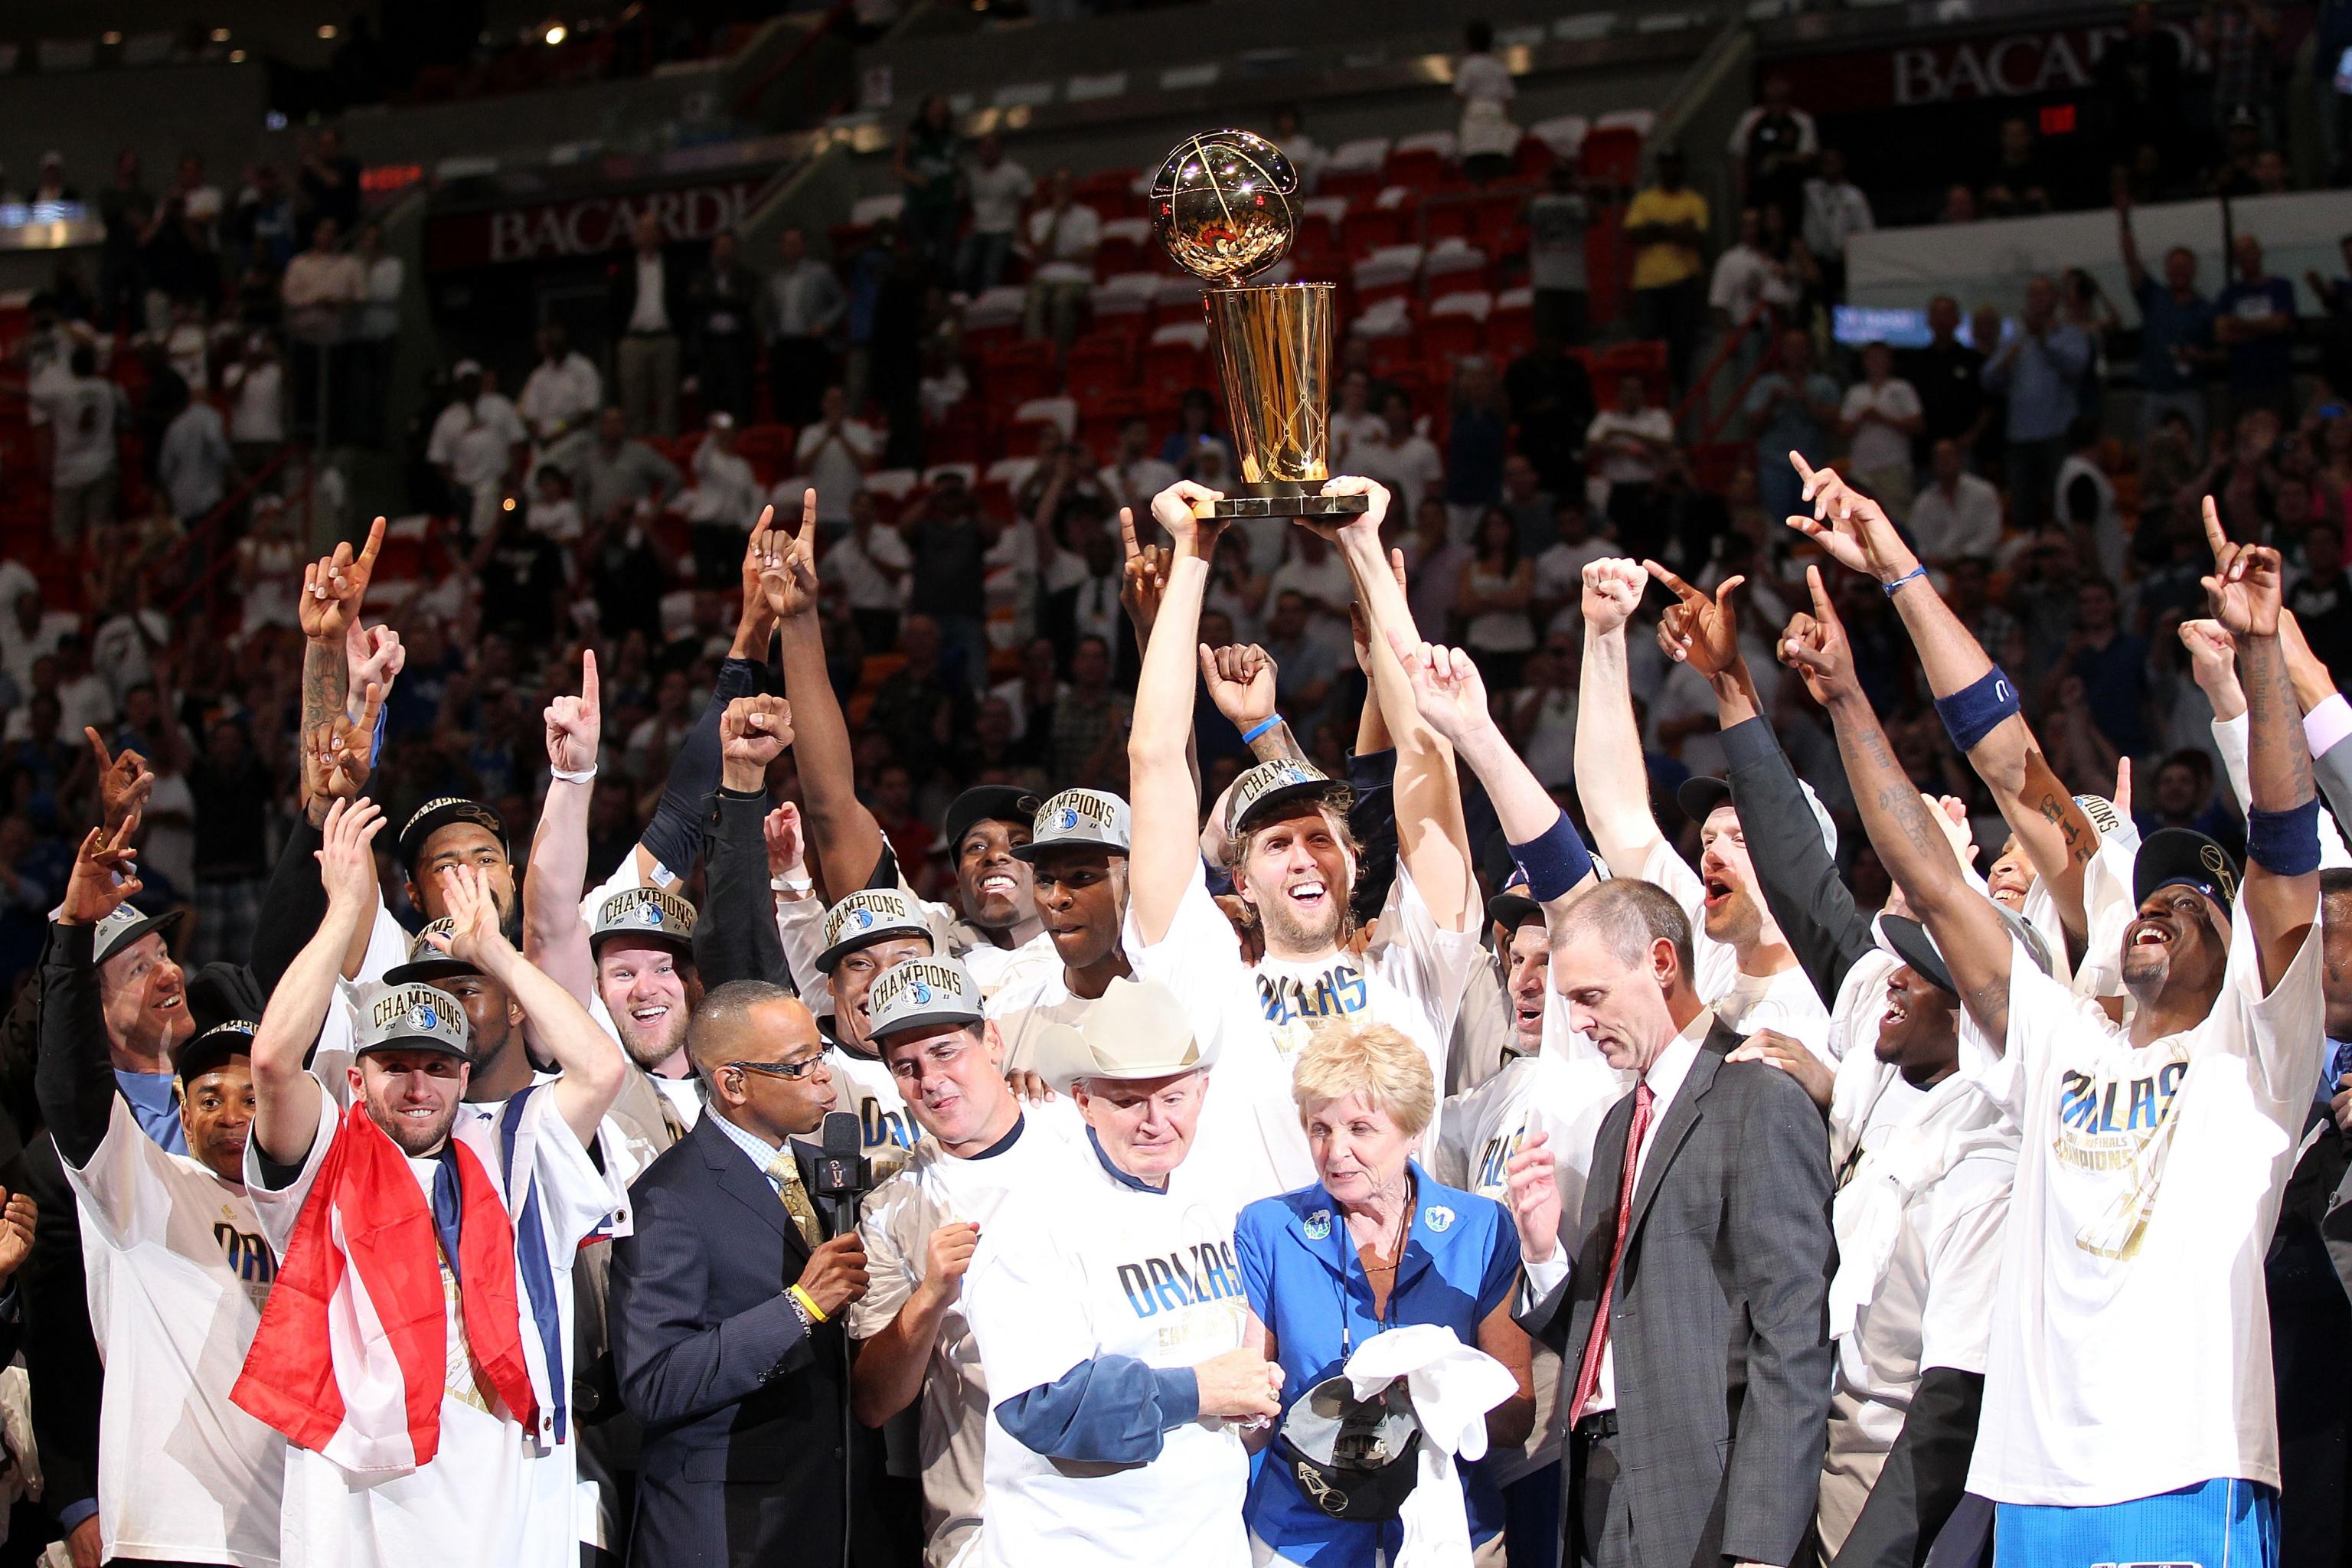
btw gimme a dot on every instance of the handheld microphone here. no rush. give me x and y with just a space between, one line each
843 1176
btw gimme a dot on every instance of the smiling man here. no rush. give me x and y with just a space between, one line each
1746 970
728 1306
451 1443
922 1225
1109 1309
180 1270
2153 1153
1284 836
642 945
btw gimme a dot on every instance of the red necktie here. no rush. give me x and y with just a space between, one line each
1589 1374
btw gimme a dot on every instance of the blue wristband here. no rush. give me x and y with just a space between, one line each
1971 713
2285 843
1907 577
1268 722
1555 862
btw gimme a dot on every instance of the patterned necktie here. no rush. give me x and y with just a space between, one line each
1587 1373
787 1169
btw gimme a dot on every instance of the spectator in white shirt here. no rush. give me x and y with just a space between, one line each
376 332
1313 571
837 453
323 291
560 401
723 504
84 415
800 304
871 562
1354 422
1134 476
1628 444
1306 156
1401 458
553 510
1559 569
998 188
1835 210
1957 516
1745 276
1063 235
1880 414
1487 138
255 385
475 443
195 460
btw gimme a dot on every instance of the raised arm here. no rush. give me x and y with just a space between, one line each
740 939
1916 852
1240 682
74 1075
590 1060
847 838
554 937
1163 797
287 1101
1976 701
1611 778
2281 884
1431 838
1450 695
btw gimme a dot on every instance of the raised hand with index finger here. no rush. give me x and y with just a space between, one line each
787 562
1814 647
334 586
2247 582
1849 526
124 781
1697 630
103 876
575 725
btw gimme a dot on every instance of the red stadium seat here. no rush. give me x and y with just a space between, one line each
1099 419
1419 166
1449 338
1126 247
1511 330
1612 155
1170 370
1099 367
1012 372
1366 228
961 437
770 449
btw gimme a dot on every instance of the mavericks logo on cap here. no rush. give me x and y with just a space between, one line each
873 911
424 1018
923 987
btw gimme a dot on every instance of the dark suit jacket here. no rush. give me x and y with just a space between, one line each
743 1462
1720 1317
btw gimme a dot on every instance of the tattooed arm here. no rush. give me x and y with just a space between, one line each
1914 848
2245 591
2057 836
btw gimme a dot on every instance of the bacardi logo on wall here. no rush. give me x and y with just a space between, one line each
588 226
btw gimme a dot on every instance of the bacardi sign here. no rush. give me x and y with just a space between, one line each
588 225
2024 64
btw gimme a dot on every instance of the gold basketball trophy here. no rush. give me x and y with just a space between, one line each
1223 206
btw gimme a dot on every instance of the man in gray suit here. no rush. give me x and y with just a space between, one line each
1694 1319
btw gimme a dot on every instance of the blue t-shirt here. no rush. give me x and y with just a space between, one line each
1792 424
2264 363
2166 324
1307 1285
154 1107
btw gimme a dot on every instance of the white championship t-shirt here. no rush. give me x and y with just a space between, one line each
492 1497
935 1189
2131 1293
1746 1003
1093 1269
178 1272
1253 1020
1562 1091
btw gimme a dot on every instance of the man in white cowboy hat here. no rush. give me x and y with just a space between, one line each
1109 1309
921 1228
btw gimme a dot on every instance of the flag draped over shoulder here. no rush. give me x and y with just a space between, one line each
350 1358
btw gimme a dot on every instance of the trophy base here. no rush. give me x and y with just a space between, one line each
1307 504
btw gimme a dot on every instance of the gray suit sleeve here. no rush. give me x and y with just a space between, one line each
1781 1262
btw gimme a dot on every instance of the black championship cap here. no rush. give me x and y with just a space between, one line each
214 1047
2186 857
1270 784
427 963
1513 910
986 802
1912 944
436 815
1354 1458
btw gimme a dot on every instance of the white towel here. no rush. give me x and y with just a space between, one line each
1452 1387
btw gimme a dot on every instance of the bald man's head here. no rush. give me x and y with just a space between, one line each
757 1047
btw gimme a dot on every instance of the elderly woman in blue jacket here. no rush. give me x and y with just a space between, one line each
1375 1245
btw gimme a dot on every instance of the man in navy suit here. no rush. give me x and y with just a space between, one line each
727 1311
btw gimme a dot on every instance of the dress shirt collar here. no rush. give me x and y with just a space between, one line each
759 1150
1674 1064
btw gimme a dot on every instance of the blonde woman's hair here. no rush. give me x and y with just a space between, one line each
1380 1063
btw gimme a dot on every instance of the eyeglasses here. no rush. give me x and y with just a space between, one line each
777 1070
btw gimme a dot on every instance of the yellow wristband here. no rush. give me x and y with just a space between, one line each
808 1303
